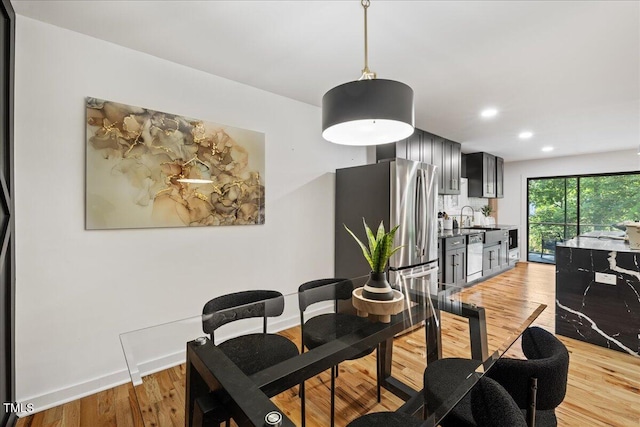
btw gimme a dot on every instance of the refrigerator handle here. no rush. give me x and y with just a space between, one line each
421 200
419 213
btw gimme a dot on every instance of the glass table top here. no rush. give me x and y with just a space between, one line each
430 323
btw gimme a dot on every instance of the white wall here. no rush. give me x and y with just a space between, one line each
78 290
512 209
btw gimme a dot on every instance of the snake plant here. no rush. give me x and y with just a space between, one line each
380 245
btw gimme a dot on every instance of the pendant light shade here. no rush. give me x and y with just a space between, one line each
368 112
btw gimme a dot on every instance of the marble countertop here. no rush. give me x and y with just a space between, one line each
600 240
456 232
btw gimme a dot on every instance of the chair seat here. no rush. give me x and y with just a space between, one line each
324 328
441 378
255 352
492 405
385 419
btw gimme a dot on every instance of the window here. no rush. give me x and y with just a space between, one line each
561 208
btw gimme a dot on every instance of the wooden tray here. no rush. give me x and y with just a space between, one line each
380 311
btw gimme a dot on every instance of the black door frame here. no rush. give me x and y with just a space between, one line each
7 228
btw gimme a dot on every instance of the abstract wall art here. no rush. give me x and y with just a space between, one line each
146 168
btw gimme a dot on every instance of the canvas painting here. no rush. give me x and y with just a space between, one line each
146 168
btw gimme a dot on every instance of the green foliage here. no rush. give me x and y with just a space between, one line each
486 210
604 200
379 248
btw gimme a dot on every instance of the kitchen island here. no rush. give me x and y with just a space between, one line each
598 291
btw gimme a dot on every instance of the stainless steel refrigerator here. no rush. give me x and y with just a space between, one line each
398 192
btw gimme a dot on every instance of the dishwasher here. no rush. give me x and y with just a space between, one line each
475 245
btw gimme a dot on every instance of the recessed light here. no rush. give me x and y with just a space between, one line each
525 134
489 113
547 149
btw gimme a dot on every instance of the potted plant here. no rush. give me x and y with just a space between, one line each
486 210
377 253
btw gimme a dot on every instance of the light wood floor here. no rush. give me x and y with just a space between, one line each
603 388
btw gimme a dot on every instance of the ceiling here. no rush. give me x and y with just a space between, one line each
569 71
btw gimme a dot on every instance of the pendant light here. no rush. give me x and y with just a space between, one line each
368 111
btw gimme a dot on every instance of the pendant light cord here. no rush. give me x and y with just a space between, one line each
366 73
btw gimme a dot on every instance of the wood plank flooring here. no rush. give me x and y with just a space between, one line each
603 388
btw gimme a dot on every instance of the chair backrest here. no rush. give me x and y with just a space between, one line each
241 305
323 290
491 405
547 360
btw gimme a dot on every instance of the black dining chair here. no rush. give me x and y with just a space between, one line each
547 362
323 328
385 419
491 405
441 378
254 352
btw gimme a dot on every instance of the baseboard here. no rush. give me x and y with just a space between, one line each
77 391
73 392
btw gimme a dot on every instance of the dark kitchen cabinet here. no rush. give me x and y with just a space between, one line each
499 177
455 261
491 256
419 147
416 147
432 149
504 253
452 167
447 156
437 152
482 170
495 252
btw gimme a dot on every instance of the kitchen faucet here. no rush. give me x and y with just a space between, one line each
472 215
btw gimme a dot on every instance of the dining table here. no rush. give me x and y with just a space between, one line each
174 365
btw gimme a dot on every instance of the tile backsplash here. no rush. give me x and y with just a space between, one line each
453 204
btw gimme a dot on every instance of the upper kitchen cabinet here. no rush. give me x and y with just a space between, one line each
499 177
412 148
451 169
446 155
419 147
485 174
428 148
